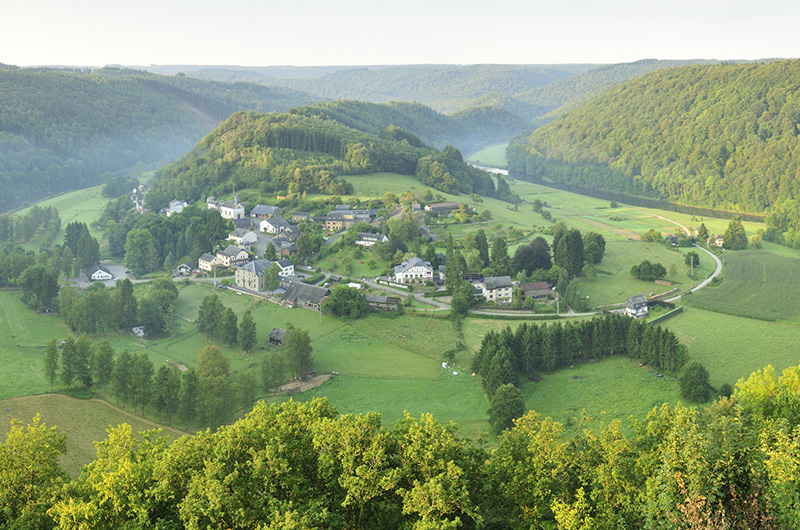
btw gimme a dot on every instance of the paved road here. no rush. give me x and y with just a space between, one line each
716 272
386 288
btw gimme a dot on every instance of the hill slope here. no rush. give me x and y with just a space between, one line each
62 129
722 136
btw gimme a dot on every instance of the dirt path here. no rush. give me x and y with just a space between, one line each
302 386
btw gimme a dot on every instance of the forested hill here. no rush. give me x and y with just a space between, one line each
722 136
309 149
63 129
468 130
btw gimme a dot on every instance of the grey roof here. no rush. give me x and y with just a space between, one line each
637 299
262 209
231 250
244 222
257 267
416 261
240 232
278 222
277 334
207 257
497 282
94 268
284 262
534 286
303 293
368 236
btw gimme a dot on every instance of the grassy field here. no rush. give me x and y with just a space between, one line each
757 284
613 388
731 347
494 155
76 206
83 422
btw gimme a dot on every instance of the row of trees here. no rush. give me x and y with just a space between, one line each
303 465
506 356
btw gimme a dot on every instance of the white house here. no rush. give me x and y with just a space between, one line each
286 267
414 270
497 289
206 262
243 237
184 269
176 206
98 273
227 209
637 306
366 239
274 225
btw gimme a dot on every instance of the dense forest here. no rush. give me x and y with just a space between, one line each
303 465
308 150
64 129
722 136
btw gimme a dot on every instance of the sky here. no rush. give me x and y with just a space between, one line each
372 32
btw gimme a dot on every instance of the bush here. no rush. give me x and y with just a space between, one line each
648 271
694 383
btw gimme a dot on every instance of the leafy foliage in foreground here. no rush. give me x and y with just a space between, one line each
303 465
722 136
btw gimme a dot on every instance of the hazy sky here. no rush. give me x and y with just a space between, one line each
362 32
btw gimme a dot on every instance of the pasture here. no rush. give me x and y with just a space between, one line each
82 421
494 155
732 347
757 284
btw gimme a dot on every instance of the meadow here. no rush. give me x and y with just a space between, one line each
757 284
494 155
82 421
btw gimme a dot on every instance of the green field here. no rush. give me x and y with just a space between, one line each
731 347
613 388
757 284
83 422
76 206
494 155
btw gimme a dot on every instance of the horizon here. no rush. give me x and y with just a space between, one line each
358 33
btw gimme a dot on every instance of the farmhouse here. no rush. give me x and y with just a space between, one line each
232 256
243 237
301 295
366 239
535 290
276 336
497 289
636 306
283 246
300 216
227 209
286 267
274 225
382 303
206 262
415 269
342 217
98 273
262 211
184 269
251 275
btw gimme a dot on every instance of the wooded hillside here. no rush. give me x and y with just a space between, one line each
63 129
722 136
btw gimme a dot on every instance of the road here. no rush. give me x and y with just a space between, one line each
386 288
716 272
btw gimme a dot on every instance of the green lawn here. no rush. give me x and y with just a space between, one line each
731 347
613 388
494 155
757 284
82 421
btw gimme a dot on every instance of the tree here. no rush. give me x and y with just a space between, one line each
68 360
533 256
84 352
30 474
594 246
507 405
230 327
51 363
483 246
702 232
247 332
297 348
209 316
271 277
648 271
214 386
216 226
694 383
142 380
139 247
151 316
270 254
305 248
569 252
188 397
345 302
125 305
167 391
692 259
500 262
39 286
735 237
273 371
248 386
652 235
103 363
121 376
